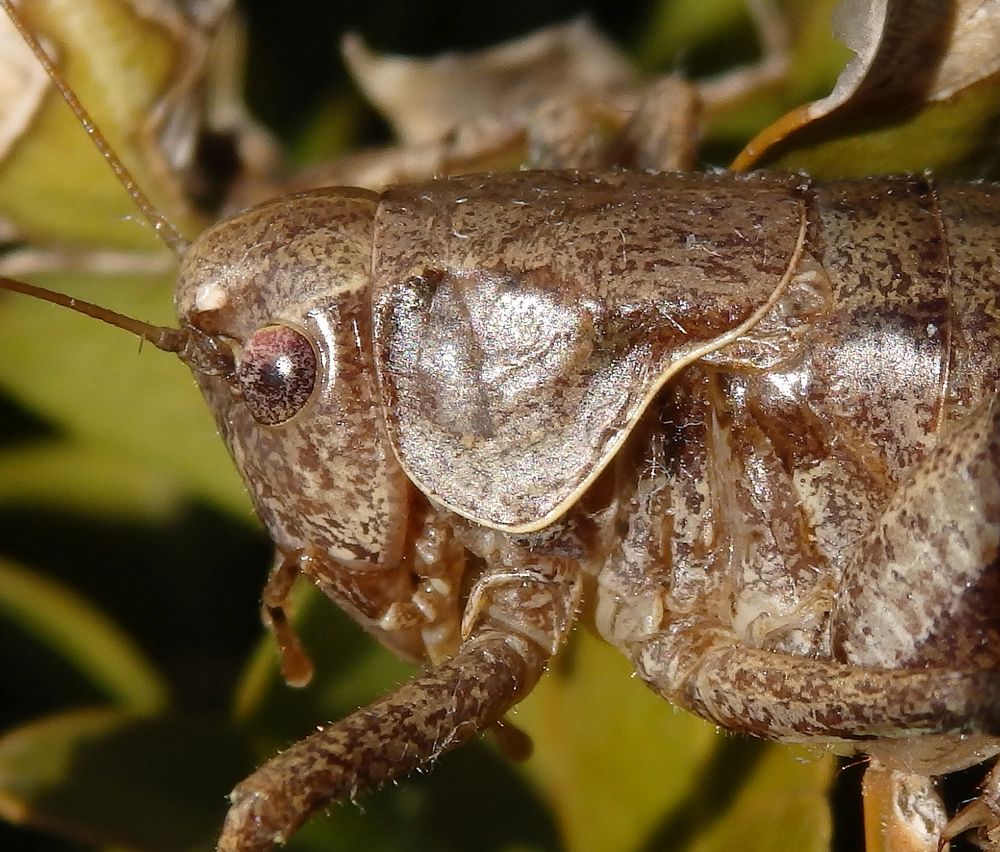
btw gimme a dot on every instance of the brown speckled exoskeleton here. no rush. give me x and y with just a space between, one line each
749 423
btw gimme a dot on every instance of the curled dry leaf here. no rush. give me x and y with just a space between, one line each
426 99
561 94
910 57
487 110
22 84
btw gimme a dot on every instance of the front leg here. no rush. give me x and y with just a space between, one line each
516 618
385 740
412 607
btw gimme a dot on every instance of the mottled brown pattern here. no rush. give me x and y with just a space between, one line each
883 368
277 374
834 506
798 699
796 536
968 220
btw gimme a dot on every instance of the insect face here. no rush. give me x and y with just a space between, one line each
287 284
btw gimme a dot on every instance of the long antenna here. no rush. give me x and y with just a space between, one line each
162 337
199 350
163 229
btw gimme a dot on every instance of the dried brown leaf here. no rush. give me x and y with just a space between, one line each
908 54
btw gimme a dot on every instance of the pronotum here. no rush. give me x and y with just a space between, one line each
747 423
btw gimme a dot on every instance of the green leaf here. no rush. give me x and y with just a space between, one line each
625 771
920 92
781 805
54 185
676 25
60 619
107 777
956 137
596 729
97 481
111 396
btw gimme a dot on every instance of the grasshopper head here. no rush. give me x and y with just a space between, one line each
285 286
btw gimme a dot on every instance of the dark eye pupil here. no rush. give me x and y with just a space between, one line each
276 374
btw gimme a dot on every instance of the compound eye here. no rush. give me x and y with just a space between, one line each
276 373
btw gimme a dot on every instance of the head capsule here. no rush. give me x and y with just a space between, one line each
286 286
